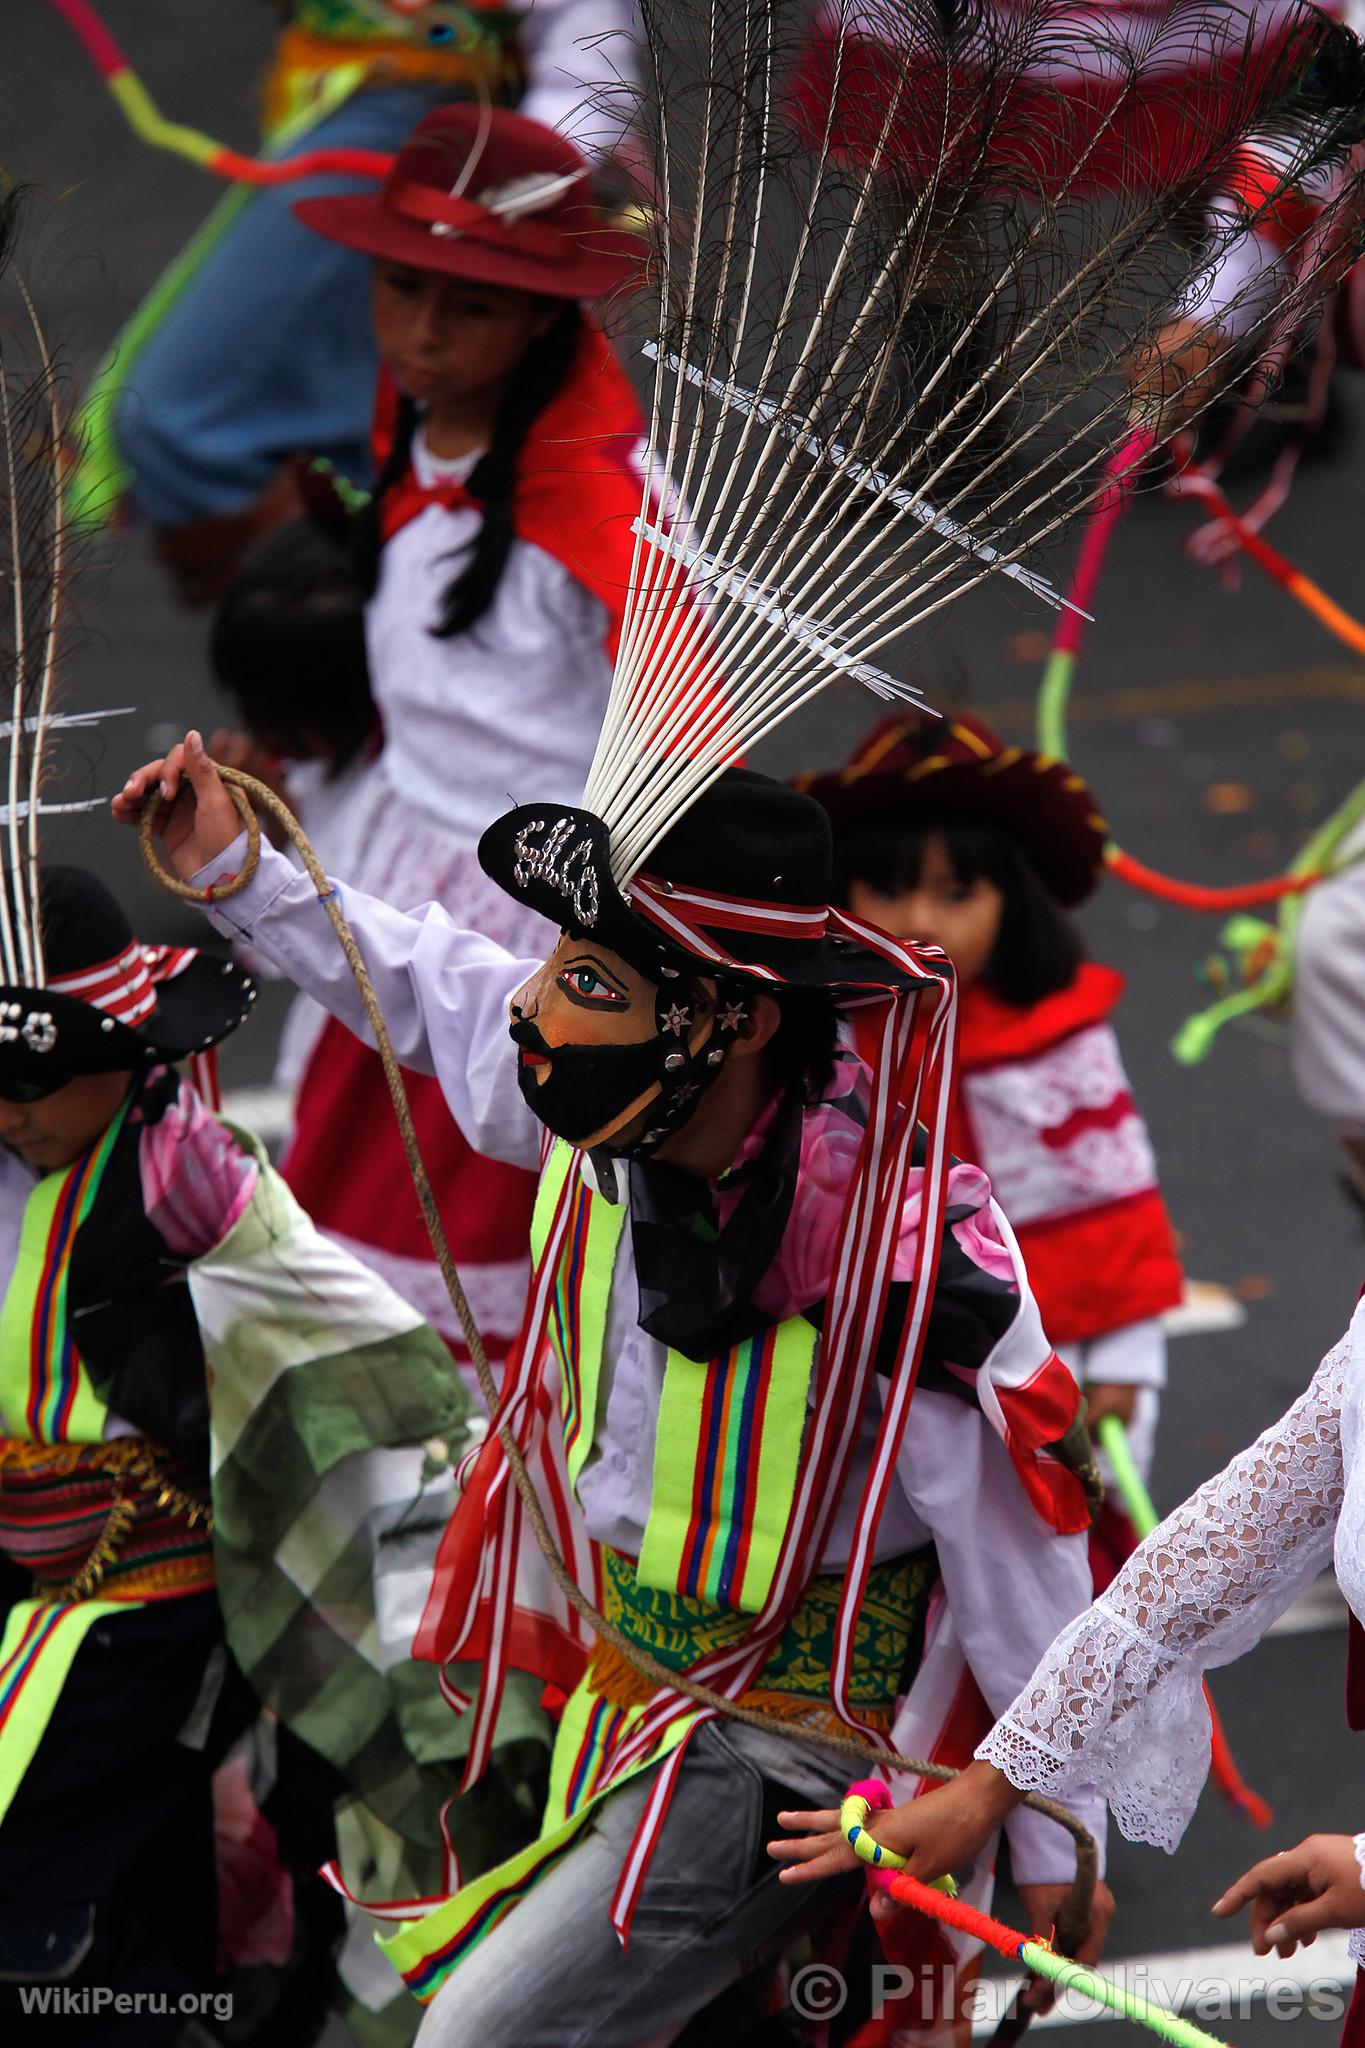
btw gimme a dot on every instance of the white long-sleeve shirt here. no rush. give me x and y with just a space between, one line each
514 706
1010 1581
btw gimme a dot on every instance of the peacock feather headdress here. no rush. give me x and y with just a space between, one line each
909 272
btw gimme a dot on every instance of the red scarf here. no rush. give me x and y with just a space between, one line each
1095 1267
579 476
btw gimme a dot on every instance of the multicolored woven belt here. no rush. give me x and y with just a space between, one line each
124 1519
305 54
795 1681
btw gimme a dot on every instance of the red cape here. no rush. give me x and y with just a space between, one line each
579 476
1094 1269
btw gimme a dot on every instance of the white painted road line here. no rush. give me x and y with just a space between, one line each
1204 1306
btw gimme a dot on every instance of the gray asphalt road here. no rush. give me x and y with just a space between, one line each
1217 723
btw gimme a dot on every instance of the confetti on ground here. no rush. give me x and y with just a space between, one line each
1029 647
1228 798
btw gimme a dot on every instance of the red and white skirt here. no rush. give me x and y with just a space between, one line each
346 1161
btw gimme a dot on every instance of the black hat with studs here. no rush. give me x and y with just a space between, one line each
106 1003
736 893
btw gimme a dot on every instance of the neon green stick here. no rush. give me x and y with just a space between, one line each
1076 1977
1117 1449
1045 1962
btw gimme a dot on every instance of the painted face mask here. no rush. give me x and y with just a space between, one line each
589 1092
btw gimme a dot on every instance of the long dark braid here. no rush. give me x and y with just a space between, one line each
367 534
540 376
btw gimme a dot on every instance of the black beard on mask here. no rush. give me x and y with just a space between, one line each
588 1087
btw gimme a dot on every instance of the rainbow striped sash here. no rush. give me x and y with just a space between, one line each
45 1392
725 1462
729 1434
37 1651
578 1306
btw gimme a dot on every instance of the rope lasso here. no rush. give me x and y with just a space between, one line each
246 791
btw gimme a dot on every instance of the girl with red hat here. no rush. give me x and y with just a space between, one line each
945 833
495 557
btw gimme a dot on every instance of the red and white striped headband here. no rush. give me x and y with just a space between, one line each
682 912
124 987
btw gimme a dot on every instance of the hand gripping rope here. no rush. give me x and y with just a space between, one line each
245 791
887 1872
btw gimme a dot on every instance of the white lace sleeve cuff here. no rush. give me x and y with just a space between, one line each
1107 1708
1117 1702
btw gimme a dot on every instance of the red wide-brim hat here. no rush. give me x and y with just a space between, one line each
492 197
920 765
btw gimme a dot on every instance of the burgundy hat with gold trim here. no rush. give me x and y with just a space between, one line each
921 764
489 196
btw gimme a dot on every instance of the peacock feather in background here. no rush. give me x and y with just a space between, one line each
908 268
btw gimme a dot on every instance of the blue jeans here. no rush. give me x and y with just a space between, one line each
553 1973
269 350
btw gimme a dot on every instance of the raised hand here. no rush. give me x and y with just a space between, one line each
197 820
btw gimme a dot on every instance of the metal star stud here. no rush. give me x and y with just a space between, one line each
676 1020
732 1016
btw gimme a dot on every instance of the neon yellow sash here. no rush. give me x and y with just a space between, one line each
578 1309
425 1951
45 1391
36 1653
729 1433
725 1460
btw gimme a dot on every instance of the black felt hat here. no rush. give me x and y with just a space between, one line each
751 849
106 1002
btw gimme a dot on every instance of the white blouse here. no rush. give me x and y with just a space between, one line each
1117 1702
507 711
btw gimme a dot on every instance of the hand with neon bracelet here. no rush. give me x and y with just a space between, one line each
937 1833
